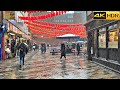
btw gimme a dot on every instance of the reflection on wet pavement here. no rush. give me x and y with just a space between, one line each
47 66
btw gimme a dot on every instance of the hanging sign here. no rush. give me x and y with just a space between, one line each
10 15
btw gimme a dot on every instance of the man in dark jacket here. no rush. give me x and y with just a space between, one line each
22 51
63 51
78 49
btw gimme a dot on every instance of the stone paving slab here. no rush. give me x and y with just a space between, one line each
47 66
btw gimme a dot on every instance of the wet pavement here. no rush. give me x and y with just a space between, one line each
47 66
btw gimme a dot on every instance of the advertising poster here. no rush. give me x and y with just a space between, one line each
102 38
113 39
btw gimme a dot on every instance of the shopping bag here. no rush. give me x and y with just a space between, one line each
8 50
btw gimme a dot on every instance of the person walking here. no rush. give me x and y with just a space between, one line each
34 47
8 51
22 51
78 49
63 51
17 49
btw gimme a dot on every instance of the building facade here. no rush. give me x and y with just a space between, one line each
79 17
103 41
15 28
65 19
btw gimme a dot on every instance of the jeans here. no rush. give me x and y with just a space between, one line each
21 59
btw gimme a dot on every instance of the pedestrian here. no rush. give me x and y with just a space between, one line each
8 51
17 49
13 48
26 47
34 47
22 51
78 49
63 51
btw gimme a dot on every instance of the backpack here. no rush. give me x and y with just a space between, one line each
21 48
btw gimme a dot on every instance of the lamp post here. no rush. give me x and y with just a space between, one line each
2 31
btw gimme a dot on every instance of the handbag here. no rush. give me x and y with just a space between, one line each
8 50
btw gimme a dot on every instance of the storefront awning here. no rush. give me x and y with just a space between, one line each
13 33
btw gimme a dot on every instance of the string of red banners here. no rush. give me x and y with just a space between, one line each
56 26
44 28
49 15
50 31
67 29
48 28
57 33
51 24
82 28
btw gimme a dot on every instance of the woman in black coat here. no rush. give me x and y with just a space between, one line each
63 51
78 49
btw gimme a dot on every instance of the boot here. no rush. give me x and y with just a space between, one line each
20 67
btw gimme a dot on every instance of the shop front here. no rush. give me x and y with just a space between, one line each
104 43
12 36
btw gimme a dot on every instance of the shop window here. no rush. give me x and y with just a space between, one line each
113 38
102 38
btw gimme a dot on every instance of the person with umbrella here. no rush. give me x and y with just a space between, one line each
78 49
63 51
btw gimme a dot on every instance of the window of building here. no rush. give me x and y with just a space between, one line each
70 16
113 38
102 38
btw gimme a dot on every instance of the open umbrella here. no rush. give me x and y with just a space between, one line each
68 36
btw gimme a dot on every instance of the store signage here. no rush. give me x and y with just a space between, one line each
10 15
107 15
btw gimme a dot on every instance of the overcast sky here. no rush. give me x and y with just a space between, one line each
67 12
70 12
